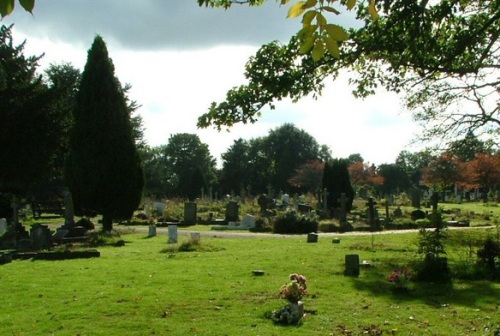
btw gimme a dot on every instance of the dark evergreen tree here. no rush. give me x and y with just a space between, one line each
103 168
30 124
337 182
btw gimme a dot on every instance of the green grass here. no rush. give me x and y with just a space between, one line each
148 288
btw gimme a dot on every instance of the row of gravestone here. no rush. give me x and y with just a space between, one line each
191 209
173 236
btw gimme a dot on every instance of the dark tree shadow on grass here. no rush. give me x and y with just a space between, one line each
464 293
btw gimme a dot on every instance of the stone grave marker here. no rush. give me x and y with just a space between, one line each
232 210
159 207
343 208
372 214
195 237
336 240
172 234
3 226
41 237
190 210
351 265
69 214
152 230
312 237
248 221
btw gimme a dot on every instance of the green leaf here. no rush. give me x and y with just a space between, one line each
373 10
308 17
307 45
6 7
332 46
284 2
310 4
296 10
351 4
28 5
318 50
321 20
307 31
330 9
336 32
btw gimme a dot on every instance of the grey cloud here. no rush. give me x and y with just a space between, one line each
155 24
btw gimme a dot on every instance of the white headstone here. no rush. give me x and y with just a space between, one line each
285 199
248 221
3 226
172 234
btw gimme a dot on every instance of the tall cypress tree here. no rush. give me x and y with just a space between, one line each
336 180
103 168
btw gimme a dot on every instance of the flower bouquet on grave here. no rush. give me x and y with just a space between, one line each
400 278
293 292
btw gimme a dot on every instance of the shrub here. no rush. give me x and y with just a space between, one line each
489 256
294 223
434 267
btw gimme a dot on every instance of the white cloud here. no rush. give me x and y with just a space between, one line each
175 87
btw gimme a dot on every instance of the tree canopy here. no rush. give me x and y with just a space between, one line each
441 55
32 121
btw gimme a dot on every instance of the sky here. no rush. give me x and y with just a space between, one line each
179 58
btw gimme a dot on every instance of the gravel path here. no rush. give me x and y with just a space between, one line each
240 234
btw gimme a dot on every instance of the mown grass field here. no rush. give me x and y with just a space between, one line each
147 288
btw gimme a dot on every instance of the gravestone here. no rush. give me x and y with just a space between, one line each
285 199
69 214
3 226
248 221
336 240
372 214
343 209
415 198
159 207
232 210
190 209
172 234
304 208
351 265
152 230
195 237
41 237
312 237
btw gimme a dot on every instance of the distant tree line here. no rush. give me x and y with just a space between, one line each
38 113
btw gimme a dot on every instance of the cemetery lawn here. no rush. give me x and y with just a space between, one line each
144 288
